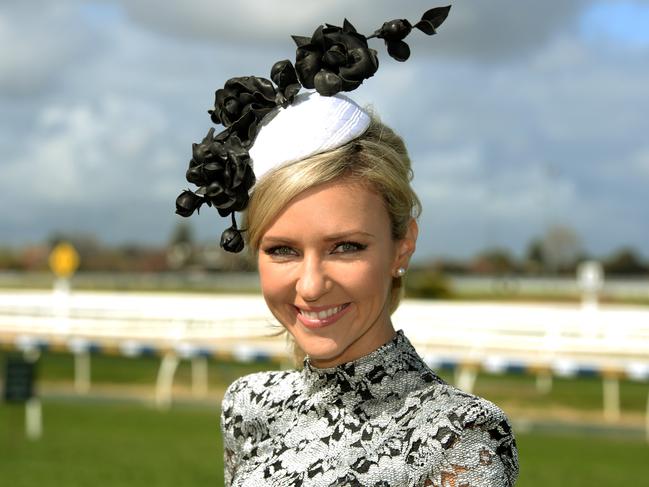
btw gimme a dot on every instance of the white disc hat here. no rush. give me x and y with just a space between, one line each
312 124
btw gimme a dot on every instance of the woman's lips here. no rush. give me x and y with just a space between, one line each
322 316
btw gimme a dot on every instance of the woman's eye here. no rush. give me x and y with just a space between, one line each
345 247
281 251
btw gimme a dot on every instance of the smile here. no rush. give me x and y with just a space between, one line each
321 317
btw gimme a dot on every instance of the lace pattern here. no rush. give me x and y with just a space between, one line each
383 420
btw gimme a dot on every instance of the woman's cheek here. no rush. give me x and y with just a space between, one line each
364 278
276 285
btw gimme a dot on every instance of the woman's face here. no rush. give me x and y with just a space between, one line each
326 265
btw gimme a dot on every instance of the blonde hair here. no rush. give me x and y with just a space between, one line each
377 159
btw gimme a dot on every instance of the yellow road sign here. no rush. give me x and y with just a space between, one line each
64 260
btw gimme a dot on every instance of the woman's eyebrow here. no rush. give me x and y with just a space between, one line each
348 234
275 239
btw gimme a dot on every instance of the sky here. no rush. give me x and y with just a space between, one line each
518 116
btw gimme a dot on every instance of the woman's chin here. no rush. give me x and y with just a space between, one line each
320 350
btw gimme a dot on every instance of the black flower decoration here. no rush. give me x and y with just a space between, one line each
394 31
232 239
221 168
284 76
242 103
188 202
334 59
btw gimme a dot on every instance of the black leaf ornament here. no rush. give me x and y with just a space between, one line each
394 31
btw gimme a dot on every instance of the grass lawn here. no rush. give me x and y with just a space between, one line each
513 392
111 445
104 443
574 461
129 445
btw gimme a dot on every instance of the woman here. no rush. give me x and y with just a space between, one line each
332 222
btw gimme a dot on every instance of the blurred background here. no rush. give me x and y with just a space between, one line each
526 123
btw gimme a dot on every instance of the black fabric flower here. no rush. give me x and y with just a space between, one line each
232 240
394 31
222 169
242 103
188 202
284 76
334 59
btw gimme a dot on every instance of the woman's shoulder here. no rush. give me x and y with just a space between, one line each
271 385
470 431
467 409
457 411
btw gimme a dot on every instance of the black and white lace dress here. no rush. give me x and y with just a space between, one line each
383 420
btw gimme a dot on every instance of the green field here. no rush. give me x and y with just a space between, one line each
104 444
125 442
512 392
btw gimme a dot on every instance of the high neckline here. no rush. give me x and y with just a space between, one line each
368 374
372 357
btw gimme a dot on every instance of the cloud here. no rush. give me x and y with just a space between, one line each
640 162
89 159
493 30
38 48
518 122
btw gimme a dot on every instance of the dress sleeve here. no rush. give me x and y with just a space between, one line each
479 449
231 447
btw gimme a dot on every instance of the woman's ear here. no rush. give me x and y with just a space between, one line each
407 245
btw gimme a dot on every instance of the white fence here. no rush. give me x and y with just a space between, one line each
611 342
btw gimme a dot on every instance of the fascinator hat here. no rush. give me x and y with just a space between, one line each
269 123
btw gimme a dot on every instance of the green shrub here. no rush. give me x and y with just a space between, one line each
427 284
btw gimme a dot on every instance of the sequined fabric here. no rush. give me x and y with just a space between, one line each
383 420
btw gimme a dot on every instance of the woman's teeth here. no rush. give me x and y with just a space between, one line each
321 315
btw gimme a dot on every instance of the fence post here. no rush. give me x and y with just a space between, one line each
199 376
647 419
82 371
465 377
544 382
164 383
611 398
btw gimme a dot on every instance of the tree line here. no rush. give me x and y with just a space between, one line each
558 251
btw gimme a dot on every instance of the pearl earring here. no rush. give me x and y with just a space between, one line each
401 271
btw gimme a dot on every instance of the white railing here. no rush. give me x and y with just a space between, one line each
611 342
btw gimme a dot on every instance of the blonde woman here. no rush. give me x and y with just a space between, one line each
331 218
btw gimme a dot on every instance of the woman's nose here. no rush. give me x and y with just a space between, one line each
312 282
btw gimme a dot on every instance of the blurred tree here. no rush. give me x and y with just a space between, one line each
84 243
10 259
625 261
34 257
494 261
561 248
534 257
182 234
422 283
534 252
181 246
447 266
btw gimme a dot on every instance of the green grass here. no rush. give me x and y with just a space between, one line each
116 370
513 392
129 445
572 461
585 393
89 441
111 445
